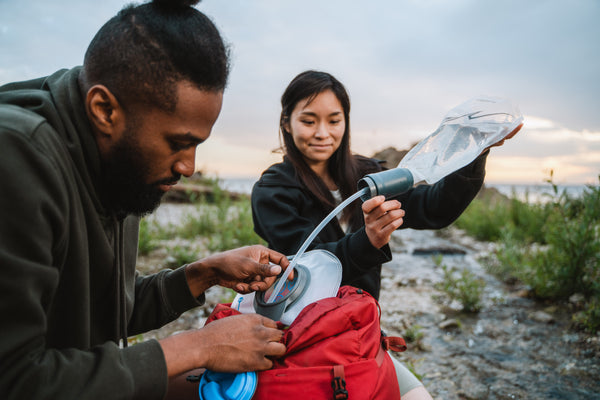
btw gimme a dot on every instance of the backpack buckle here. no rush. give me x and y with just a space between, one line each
338 383
339 388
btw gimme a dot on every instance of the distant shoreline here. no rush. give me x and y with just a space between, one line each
523 192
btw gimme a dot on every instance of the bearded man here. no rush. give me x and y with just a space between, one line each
84 153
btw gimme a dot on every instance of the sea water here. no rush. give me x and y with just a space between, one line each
528 192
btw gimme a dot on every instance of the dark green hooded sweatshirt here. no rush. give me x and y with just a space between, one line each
69 291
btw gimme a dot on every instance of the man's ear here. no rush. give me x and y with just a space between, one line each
105 113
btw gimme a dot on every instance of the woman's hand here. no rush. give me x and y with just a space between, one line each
382 218
509 136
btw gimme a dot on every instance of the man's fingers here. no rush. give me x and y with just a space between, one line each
272 270
268 270
268 322
277 263
243 288
278 258
275 349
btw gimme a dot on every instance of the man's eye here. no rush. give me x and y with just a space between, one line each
178 146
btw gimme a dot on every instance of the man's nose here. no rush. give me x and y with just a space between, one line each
186 164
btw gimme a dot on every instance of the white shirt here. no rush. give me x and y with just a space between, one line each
337 196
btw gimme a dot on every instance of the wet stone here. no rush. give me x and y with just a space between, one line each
433 251
577 299
540 316
571 368
449 324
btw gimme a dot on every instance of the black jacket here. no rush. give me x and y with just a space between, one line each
285 213
69 290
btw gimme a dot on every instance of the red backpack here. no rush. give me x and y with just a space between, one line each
335 350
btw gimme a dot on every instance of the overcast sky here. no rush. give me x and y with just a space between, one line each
404 63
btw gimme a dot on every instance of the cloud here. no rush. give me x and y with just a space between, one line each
405 64
543 145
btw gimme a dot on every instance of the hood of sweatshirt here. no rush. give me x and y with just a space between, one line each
57 98
280 175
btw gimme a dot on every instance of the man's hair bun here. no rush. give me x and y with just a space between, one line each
176 3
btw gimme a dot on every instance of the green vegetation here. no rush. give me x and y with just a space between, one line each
490 214
553 247
180 255
228 296
413 334
227 223
216 221
146 241
463 287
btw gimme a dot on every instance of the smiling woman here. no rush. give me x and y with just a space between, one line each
317 127
319 171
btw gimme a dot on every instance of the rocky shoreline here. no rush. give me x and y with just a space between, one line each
514 348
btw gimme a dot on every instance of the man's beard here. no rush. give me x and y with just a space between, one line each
123 185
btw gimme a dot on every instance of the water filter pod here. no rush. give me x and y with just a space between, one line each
389 183
227 386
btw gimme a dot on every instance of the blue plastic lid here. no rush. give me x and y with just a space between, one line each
227 386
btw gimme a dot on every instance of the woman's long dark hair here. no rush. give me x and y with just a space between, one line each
343 166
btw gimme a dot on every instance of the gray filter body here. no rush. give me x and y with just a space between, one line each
390 183
276 309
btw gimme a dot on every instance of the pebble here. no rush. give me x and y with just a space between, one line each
449 324
540 316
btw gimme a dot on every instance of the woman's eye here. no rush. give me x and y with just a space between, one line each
307 122
335 122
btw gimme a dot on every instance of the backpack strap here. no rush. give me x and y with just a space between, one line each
338 383
394 343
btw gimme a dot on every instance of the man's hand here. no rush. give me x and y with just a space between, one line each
247 269
234 344
382 218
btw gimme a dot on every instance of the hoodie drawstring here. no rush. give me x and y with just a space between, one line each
121 306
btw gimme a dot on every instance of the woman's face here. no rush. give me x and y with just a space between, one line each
317 128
